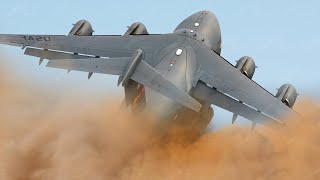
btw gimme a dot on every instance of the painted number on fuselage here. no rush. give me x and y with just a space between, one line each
36 38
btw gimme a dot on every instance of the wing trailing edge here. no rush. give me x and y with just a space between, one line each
213 96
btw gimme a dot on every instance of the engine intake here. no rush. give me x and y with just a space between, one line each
137 28
81 28
247 66
287 94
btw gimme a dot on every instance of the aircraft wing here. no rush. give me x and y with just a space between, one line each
225 78
108 55
112 66
143 74
228 103
103 46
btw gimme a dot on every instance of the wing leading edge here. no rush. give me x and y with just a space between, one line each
103 46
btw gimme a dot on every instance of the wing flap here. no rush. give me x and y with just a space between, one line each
52 55
113 66
212 96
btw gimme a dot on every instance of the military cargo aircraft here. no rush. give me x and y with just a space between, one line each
174 75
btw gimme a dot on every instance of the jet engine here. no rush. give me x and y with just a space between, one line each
81 28
247 66
137 28
287 94
135 94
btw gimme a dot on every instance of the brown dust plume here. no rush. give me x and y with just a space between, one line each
51 134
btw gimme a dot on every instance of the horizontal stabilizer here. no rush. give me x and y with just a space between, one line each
151 78
143 74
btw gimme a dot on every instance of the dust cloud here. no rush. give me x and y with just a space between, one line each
52 135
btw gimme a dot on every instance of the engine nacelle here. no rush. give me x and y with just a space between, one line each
81 28
137 28
247 66
287 94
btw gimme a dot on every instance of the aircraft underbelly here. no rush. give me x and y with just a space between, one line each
179 68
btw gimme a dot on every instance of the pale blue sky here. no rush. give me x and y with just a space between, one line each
282 36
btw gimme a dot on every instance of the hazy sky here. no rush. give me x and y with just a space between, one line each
282 36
